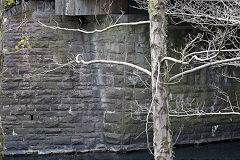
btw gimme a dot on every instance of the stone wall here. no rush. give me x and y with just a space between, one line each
205 90
94 107
76 107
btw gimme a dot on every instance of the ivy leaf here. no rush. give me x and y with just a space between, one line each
29 47
3 92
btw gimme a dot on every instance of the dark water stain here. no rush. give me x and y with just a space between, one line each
218 151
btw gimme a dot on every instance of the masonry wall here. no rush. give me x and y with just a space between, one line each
206 90
94 107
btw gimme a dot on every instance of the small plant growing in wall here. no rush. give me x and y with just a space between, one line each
5 5
2 146
24 43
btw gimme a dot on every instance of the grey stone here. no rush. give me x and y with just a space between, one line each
113 117
61 140
16 145
112 138
78 141
83 107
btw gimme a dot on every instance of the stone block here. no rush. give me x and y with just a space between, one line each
80 93
85 128
22 94
71 100
32 124
36 137
68 119
126 139
60 107
39 145
79 148
10 86
112 138
24 117
44 85
90 142
77 141
66 85
112 128
68 131
39 51
113 117
45 114
13 138
10 118
24 101
112 93
16 110
46 100
141 94
66 125
119 81
50 122
50 131
16 145
105 80
112 105
62 140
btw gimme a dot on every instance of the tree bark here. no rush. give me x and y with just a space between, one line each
162 137
1 37
2 146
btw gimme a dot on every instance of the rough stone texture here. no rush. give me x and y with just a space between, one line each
75 107
95 107
202 91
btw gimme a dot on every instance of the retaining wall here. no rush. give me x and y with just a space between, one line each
94 107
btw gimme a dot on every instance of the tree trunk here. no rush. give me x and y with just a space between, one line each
1 38
162 137
1 69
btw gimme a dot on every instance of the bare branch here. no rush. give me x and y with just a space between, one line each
174 60
95 31
210 51
204 66
203 114
113 62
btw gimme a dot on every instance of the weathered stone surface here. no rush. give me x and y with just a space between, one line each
112 138
113 117
93 106
61 140
16 145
